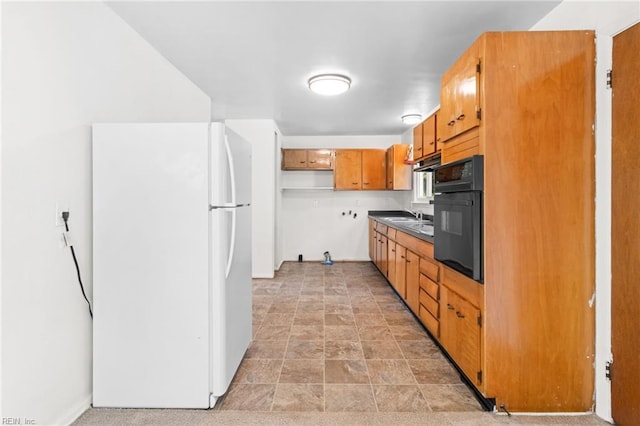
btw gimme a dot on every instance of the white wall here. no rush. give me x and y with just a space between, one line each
607 18
261 135
312 220
65 66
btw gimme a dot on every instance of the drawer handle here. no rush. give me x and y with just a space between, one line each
460 117
393 250
408 261
450 306
402 256
451 123
459 315
302 162
365 183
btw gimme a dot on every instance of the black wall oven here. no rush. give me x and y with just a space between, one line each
458 216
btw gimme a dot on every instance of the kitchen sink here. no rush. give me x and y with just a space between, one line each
408 223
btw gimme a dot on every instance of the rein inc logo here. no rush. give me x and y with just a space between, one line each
17 421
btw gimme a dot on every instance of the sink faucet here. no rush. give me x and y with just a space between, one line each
417 214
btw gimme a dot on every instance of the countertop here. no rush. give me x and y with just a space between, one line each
407 222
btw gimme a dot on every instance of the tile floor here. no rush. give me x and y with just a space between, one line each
338 339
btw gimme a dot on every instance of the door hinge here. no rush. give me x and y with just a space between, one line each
609 79
478 67
479 114
479 320
479 376
608 370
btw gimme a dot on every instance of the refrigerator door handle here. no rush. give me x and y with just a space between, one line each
232 171
232 244
228 206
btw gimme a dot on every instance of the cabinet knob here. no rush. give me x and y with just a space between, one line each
393 250
460 117
365 183
408 261
451 123
450 306
402 256
459 315
354 183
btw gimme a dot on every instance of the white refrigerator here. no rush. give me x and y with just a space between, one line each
171 263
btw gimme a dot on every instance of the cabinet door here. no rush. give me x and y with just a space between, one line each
468 353
294 159
417 141
459 95
374 173
460 333
348 169
390 158
384 256
429 135
391 262
320 159
467 102
378 251
412 281
372 239
401 264
446 118
448 321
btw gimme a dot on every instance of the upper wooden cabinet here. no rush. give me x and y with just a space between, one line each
425 138
399 173
417 141
360 169
460 95
307 159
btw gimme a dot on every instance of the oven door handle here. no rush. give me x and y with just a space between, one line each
453 202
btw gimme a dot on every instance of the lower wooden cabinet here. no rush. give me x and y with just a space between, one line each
447 303
460 325
412 281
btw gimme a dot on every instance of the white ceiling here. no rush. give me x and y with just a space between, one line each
254 58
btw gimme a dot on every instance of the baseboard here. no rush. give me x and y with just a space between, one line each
76 411
263 275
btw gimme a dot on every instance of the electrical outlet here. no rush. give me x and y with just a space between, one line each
61 207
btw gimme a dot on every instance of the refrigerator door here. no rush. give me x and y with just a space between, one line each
231 294
150 265
230 242
230 165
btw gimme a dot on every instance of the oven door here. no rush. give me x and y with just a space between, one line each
458 232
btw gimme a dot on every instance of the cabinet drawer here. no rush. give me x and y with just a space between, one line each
382 228
391 233
431 304
429 321
430 269
430 287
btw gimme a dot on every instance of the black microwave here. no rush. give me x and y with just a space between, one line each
458 214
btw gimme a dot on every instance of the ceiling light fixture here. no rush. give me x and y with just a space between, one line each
411 118
329 84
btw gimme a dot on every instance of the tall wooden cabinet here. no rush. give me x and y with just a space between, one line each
525 100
